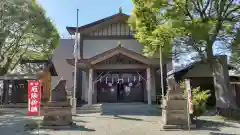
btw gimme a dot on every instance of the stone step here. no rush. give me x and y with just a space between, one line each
99 108
18 105
88 111
96 108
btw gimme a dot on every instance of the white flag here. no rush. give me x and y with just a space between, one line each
75 49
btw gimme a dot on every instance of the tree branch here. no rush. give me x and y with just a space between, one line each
221 8
16 44
187 11
211 39
210 8
231 11
227 7
198 8
5 68
20 58
193 43
205 8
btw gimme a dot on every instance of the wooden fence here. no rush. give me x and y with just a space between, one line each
229 113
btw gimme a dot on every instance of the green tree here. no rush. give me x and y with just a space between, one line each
235 57
25 32
191 26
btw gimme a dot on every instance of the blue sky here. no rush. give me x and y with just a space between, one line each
63 12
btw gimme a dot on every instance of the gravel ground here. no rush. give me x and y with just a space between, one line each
122 123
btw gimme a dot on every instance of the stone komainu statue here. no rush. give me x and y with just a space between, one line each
172 84
59 93
57 112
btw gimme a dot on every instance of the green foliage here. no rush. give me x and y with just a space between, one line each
25 32
189 28
235 57
199 99
189 25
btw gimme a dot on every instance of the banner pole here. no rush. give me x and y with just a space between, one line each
39 114
188 88
74 102
188 116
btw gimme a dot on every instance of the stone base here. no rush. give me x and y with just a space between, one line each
176 127
72 125
57 114
56 104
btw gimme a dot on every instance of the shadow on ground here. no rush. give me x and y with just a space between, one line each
212 133
214 125
71 128
126 118
15 124
77 120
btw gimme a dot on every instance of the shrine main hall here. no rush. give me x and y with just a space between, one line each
112 67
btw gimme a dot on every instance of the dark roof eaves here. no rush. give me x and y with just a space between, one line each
93 23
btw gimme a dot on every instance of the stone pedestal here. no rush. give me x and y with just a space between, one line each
174 109
57 114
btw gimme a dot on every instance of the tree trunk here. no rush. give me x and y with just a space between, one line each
223 92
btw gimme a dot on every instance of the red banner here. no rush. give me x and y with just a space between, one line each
190 103
34 97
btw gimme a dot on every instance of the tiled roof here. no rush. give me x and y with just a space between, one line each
72 30
29 68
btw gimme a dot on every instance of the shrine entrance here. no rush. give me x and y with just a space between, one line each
120 86
118 75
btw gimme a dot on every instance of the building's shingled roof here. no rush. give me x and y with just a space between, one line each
182 71
120 49
72 30
31 69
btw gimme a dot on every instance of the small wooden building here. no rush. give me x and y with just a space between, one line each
15 83
200 75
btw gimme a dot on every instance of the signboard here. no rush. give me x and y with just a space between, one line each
34 97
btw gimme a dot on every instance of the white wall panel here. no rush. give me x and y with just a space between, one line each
95 47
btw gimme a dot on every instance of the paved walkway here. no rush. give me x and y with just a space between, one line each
115 120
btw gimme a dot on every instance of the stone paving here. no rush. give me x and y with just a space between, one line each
137 122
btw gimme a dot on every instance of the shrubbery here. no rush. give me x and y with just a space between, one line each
199 99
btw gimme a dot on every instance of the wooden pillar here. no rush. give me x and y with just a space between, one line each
149 86
90 86
6 91
14 92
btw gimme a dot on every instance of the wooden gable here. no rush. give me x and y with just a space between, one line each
120 59
115 25
115 29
